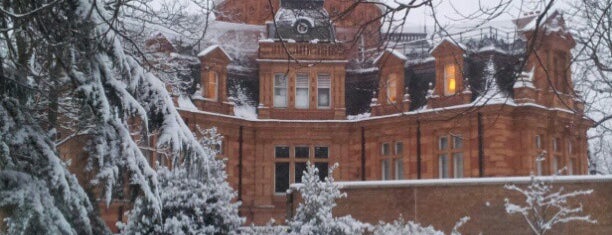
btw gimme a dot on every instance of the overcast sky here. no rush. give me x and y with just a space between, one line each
455 12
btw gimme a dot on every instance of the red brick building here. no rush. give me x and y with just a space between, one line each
427 113
383 106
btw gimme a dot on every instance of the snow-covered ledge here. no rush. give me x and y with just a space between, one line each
468 181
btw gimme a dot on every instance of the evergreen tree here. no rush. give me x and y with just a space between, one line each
314 214
64 69
191 203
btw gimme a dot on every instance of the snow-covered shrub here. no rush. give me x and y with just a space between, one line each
314 213
400 226
545 207
191 203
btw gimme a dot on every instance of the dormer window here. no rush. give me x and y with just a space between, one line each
212 85
392 89
323 91
280 91
450 79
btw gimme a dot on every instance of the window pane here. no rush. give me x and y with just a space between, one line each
399 148
385 149
399 169
280 91
321 152
323 90
538 167
443 166
450 81
301 98
538 142
555 144
458 164
323 169
211 87
301 91
300 167
302 152
281 152
457 142
555 165
443 143
570 167
281 177
392 88
323 97
385 169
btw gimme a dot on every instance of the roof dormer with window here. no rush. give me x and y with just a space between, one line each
213 81
449 87
391 97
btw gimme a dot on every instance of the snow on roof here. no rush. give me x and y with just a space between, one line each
394 52
449 40
210 49
525 79
414 112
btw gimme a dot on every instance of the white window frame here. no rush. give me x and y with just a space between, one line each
385 165
399 169
458 165
286 88
387 147
399 153
555 165
307 87
329 93
443 169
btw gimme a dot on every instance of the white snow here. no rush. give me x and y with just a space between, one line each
469 181
359 116
210 49
185 103
246 111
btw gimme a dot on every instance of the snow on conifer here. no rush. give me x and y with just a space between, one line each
314 214
191 203
81 53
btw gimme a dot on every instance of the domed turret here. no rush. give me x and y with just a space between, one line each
303 21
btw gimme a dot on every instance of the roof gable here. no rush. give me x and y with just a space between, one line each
215 51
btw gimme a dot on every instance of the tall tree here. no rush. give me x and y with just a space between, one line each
64 60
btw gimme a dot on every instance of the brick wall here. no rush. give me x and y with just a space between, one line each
443 202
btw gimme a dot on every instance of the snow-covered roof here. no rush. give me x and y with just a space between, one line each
525 79
449 40
393 52
210 49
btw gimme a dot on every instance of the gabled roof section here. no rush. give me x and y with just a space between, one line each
210 50
553 20
446 42
390 52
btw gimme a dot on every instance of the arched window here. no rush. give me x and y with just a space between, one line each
450 79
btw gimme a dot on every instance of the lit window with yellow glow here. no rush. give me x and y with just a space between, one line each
392 88
212 85
450 79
